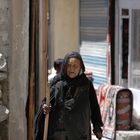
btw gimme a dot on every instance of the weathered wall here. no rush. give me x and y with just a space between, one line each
4 26
18 68
4 51
64 25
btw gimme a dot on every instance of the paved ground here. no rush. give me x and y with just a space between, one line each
94 137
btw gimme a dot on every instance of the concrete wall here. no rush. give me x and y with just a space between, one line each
18 68
4 50
63 27
4 27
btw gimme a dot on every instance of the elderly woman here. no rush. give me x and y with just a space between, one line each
74 104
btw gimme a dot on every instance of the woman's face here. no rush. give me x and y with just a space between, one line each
73 67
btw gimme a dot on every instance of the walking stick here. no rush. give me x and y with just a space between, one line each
47 115
46 90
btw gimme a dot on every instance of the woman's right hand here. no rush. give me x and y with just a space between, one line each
46 108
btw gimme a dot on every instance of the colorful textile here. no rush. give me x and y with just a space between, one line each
107 97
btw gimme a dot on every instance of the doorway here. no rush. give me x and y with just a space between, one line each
124 47
127 45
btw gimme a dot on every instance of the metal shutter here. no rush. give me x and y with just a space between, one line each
93 37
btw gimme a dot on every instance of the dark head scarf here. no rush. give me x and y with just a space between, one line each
81 79
65 62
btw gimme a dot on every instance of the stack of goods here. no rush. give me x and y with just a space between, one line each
124 110
136 108
116 109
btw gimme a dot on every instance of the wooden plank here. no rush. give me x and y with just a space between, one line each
31 96
45 90
47 116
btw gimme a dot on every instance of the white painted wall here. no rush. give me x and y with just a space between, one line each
129 4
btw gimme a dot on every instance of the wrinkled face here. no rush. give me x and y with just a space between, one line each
73 67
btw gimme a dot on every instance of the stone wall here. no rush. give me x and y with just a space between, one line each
18 69
4 27
4 49
14 50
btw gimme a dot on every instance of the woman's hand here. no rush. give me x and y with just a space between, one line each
98 134
46 108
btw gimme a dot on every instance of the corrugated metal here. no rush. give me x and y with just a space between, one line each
93 36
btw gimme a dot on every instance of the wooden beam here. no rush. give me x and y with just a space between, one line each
31 95
45 90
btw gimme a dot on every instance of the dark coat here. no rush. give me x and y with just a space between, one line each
74 107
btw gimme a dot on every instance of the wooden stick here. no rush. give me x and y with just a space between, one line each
47 115
46 91
31 96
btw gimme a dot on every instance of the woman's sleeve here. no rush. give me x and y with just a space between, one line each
96 118
40 117
39 123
